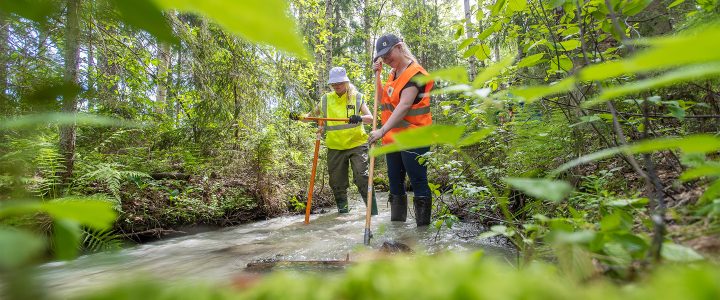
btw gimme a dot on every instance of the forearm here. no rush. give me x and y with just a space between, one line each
397 115
367 119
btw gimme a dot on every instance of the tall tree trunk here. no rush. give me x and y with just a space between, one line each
329 43
469 32
72 58
163 73
5 106
368 42
107 72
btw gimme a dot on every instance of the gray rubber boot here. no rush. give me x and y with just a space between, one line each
423 210
398 207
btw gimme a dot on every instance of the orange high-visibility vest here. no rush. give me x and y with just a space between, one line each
419 113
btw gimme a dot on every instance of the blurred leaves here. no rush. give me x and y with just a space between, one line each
146 15
56 118
263 21
553 190
419 137
17 247
36 10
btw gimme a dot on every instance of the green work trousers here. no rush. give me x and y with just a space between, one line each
338 162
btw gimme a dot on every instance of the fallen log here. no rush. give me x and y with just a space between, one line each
267 265
176 176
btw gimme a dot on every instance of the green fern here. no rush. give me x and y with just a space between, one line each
48 163
114 137
112 177
96 240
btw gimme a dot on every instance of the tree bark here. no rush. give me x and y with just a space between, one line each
163 73
469 32
329 43
72 58
5 106
368 42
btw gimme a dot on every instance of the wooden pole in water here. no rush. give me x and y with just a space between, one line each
312 173
321 122
378 86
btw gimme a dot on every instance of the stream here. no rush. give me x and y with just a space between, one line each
216 256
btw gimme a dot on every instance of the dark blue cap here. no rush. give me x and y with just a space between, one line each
384 44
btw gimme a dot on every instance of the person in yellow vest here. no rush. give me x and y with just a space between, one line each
405 104
346 142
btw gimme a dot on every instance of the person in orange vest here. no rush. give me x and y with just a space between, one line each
346 142
405 104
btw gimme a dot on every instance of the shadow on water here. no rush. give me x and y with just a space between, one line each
216 256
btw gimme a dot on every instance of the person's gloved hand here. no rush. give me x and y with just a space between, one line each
294 116
354 119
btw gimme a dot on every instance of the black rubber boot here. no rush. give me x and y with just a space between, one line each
398 207
423 210
342 205
374 210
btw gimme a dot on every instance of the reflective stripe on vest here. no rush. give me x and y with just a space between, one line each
411 112
419 113
341 135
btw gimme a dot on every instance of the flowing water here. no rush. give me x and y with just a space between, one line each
218 255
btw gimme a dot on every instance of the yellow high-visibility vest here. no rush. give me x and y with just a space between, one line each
342 135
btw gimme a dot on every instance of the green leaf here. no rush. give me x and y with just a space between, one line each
532 93
516 5
689 47
262 21
147 16
679 253
699 143
488 31
709 169
66 238
488 234
36 10
475 137
677 112
711 193
45 97
17 247
565 63
471 51
675 3
610 222
421 137
586 159
557 3
586 119
570 45
456 74
634 7
30 121
572 238
667 79
637 202
553 190
492 71
483 52
465 43
95 213
497 7
531 60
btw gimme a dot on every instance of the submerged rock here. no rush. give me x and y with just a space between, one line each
394 247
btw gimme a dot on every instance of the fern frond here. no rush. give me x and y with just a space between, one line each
96 240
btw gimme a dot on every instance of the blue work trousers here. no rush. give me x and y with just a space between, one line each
406 162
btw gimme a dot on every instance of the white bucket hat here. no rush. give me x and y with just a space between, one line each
337 74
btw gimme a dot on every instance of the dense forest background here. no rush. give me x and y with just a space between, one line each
584 132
